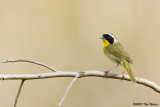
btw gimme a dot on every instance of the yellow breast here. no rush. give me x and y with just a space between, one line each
110 56
105 43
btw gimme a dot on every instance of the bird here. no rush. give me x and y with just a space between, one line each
116 53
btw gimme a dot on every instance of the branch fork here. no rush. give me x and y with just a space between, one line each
76 75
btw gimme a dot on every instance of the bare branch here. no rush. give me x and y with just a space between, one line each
30 61
56 73
19 91
65 93
76 75
89 73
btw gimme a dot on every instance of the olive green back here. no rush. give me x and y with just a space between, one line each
117 50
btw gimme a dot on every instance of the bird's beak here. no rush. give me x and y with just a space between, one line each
101 37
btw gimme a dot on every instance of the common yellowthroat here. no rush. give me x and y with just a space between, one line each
116 53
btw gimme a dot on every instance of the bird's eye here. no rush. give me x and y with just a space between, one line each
109 37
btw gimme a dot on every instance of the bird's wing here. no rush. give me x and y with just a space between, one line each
117 50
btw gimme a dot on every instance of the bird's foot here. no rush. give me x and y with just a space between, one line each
122 76
106 72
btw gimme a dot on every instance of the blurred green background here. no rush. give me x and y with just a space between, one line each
64 34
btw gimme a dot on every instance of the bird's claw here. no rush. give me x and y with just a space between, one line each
106 72
122 76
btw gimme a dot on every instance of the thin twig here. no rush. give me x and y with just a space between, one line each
30 61
19 91
93 73
76 75
65 93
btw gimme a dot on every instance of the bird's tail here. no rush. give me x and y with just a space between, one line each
126 65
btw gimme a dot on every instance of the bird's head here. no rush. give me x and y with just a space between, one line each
108 39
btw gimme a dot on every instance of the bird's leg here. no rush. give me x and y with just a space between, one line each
122 76
111 69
